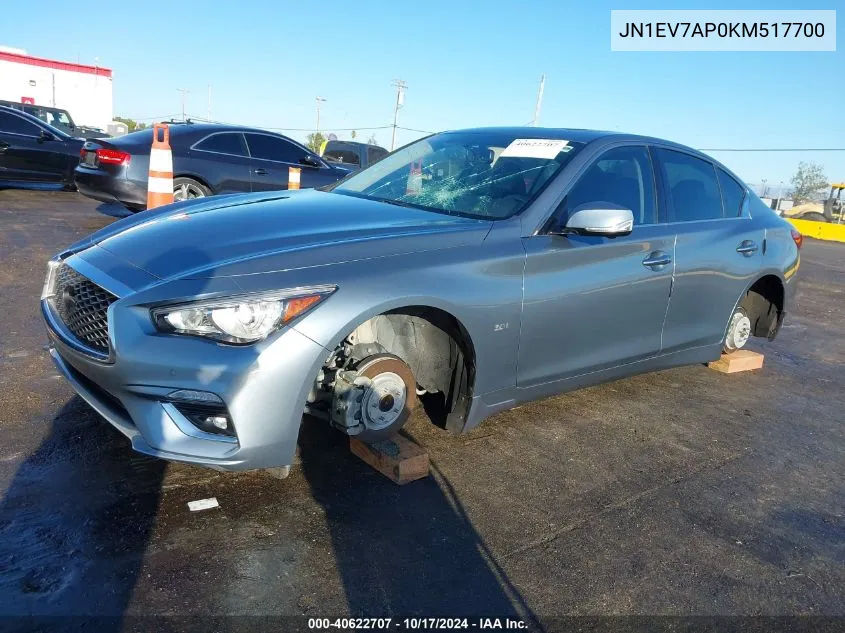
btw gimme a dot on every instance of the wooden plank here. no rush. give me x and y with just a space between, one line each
397 458
741 360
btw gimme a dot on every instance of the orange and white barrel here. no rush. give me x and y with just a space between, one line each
294 177
160 179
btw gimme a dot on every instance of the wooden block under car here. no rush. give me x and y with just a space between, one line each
398 458
740 360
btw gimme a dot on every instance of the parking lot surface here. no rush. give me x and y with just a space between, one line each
682 492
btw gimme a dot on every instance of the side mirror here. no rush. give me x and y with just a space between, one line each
600 218
311 161
46 136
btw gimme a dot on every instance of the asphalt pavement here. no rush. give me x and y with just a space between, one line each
684 492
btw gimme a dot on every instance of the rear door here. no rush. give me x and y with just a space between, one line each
592 303
272 158
24 155
718 248
222 160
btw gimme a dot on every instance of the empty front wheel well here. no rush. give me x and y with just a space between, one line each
764 304
439 351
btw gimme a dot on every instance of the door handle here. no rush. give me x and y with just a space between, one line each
4 146
747 248
657 260
260 171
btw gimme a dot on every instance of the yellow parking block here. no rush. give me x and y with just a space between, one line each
820 230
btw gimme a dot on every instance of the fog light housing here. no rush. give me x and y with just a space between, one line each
204 410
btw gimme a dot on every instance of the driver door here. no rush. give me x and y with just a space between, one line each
592 303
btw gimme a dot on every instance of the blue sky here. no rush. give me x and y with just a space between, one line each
467 63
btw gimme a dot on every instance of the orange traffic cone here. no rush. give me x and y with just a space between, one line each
160 180
294 176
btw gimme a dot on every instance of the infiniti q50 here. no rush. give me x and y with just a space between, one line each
477 269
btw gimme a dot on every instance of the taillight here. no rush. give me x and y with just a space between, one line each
797 238
82 152
113 157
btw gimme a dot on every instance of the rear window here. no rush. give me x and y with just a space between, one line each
223 143
732 194
341 153
375 153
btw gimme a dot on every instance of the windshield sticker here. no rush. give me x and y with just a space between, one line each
535 148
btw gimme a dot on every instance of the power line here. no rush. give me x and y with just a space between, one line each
411 129
776 149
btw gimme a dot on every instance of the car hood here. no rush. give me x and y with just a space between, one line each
256 233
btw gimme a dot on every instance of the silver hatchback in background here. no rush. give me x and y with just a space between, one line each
477 269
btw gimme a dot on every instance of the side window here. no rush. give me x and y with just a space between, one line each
374 154
692 188
17 125
273 148
621 176
345 156
226 143
60 119
732 194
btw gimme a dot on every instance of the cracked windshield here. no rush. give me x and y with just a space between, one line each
482 175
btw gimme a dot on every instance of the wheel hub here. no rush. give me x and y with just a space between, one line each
739 331
379 393
384 401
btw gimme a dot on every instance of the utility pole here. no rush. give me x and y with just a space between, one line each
208 113
536 118
319 101
401 86
184 92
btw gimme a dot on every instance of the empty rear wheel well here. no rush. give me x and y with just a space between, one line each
764 304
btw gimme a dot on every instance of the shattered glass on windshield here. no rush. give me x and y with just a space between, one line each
489 175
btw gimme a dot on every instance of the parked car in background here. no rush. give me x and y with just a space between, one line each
32 151
208 159
352 154
58 118
478 268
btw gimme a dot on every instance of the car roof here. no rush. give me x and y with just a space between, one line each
575 134
589 136
23 115
337 142
34 119
199 130
205 128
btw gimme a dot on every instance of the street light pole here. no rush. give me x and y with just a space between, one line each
401 86
184 92
319 100
539 101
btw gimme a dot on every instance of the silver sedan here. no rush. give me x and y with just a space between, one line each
474 270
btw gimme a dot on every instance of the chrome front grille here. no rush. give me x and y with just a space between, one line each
83 307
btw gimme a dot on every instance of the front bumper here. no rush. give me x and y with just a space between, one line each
264 388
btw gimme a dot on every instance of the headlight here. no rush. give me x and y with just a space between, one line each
241 319
49 288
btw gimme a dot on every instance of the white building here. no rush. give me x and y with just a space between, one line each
84 91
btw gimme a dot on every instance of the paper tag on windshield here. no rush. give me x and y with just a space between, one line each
535 148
